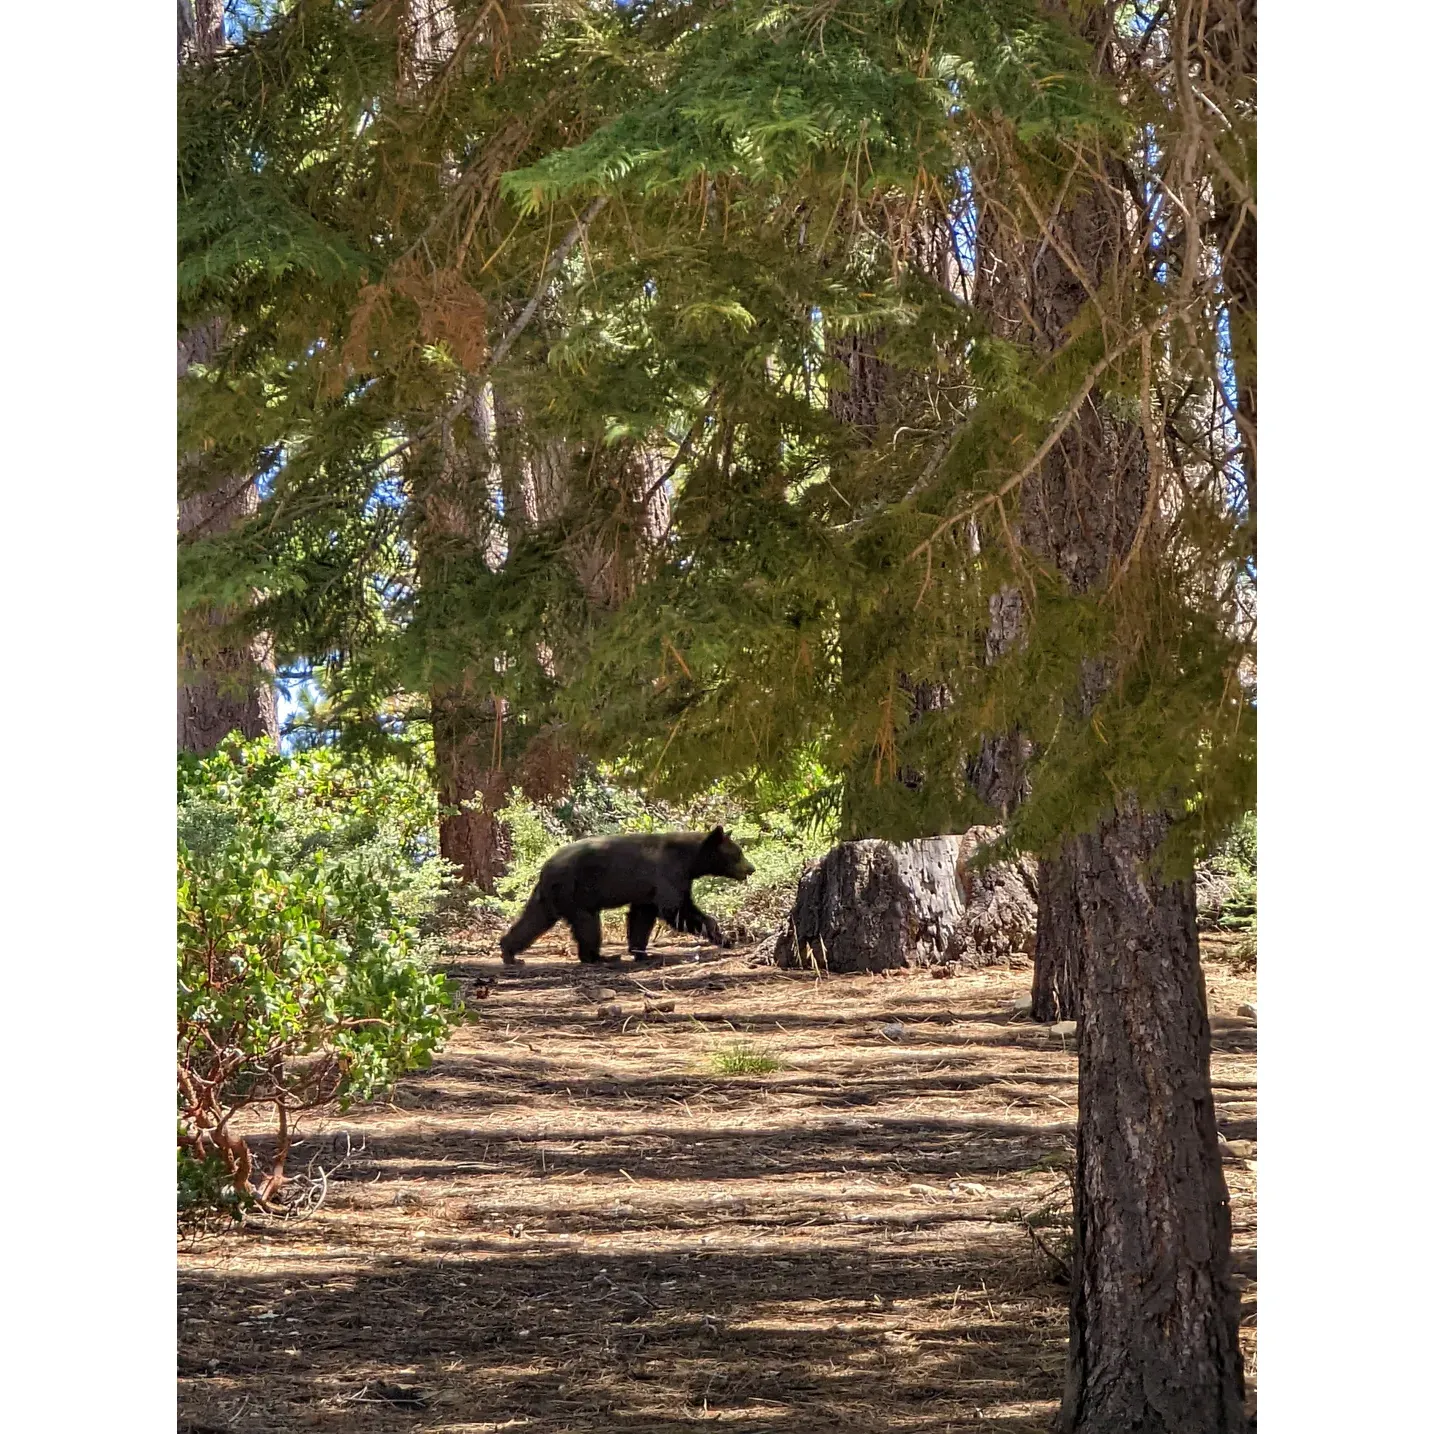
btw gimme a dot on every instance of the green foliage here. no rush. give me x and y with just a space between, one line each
373 817
206 1188
742 1058
300 983
854 91
781 178
1236 860
1240 848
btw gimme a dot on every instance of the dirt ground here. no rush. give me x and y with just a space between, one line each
574 1222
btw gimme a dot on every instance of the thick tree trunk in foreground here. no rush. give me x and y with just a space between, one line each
1154 1321
875 906
1154 1346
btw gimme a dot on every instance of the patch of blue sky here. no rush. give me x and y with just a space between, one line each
265 479
961 217
295 690
386 493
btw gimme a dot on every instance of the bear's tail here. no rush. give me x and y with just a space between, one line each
535 920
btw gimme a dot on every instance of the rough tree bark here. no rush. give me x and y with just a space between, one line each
873 906
221 686
1153 1319
1055 995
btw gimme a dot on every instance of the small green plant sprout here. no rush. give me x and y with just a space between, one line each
743 1058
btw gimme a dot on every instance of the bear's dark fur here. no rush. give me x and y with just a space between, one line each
651 875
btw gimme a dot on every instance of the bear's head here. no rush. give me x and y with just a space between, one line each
721 856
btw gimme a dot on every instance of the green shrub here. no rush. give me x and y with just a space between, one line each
1240 846
1236 860
301 980
375 817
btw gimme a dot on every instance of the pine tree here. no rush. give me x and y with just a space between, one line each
1096 495
226 681
1029 499
340 205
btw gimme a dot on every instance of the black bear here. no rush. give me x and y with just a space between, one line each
651 875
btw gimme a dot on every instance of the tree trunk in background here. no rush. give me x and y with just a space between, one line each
1153 1319
456 527
1053 986
1079 511
1229 58
859 405
221 688
226 688
454 511
472 784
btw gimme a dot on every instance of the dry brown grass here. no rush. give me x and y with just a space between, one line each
573 1223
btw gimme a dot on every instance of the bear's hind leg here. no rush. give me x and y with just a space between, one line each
535 920
587 932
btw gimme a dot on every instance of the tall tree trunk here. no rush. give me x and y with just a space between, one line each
222 686
1153 1320
456 527
472 783
453 498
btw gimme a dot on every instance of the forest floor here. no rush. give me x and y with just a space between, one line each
573 1221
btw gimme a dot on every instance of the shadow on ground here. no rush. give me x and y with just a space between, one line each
577 1225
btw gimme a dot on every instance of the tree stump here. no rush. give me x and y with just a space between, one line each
874 906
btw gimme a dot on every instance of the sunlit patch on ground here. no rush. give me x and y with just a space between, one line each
574 1222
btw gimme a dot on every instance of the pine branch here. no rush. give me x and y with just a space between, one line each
465 396
550 272
1065 420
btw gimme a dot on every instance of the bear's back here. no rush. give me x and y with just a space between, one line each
607 871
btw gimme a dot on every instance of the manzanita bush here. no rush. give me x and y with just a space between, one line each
299 988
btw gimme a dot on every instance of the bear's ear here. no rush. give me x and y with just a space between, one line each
715 837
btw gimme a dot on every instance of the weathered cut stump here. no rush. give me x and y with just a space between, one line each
875 905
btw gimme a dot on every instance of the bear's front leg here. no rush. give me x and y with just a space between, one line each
698 922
